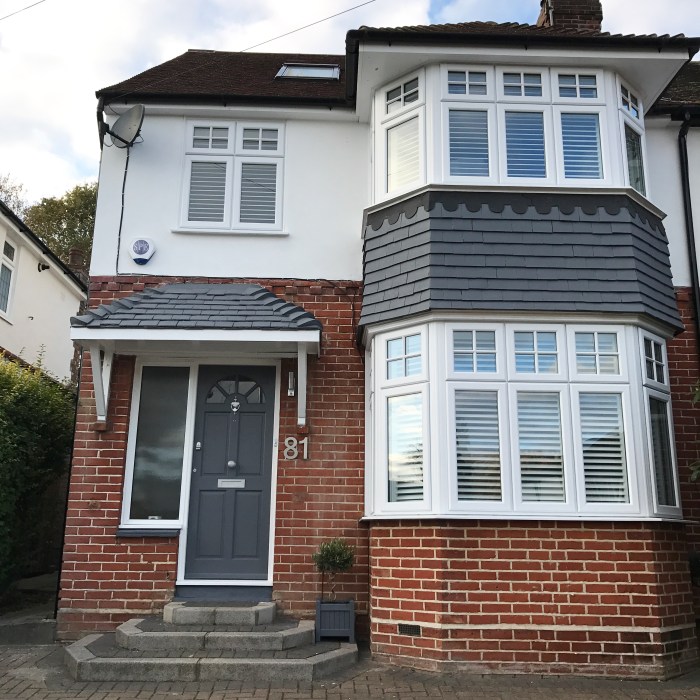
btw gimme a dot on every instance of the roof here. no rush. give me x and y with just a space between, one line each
205 76
198 307
683 91
515 31
23 228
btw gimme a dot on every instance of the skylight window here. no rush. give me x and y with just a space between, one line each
315 71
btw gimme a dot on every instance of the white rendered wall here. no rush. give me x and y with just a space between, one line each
41 304
665 188
325 189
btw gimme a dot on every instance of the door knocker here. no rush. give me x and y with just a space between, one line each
235 405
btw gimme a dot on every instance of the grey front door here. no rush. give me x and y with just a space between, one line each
229 518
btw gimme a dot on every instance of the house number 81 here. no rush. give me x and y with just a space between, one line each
291 450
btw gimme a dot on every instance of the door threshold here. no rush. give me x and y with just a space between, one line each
205 591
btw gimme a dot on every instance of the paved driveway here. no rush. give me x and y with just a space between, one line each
37 673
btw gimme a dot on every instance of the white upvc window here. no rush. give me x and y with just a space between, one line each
516 84
402 95
233 176
159 446
581 131
526 144
633 140
630 103
577 86
528 419
8 261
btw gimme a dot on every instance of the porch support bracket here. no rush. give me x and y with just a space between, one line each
301 388
101 361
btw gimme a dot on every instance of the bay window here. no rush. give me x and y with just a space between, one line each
233 177
522 419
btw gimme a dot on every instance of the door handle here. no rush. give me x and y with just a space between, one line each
231 464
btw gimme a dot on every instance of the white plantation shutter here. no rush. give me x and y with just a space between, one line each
403 156
540 445
478 446
258 193
602 435
525 144
580 135
469 143
405 447
207 199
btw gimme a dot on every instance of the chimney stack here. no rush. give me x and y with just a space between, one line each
76 263
571 14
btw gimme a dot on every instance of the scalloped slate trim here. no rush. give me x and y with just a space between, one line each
544 204
200 306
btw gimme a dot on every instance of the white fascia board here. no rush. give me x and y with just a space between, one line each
333 113
174 335
647 69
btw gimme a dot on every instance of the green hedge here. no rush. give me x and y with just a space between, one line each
36 429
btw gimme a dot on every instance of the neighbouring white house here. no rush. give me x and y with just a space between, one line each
38 295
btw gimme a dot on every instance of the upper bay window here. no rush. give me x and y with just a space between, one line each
233 176
507 125
521 419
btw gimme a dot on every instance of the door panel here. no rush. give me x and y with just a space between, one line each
229 517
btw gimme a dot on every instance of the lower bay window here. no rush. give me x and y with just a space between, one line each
521 419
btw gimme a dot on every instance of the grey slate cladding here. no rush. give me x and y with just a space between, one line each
486 251
200 306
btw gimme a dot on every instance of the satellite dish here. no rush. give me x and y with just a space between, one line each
127 128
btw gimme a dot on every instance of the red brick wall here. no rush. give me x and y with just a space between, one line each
555 597
106 580
684 371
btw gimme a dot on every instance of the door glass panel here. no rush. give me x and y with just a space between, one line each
160 440
215 395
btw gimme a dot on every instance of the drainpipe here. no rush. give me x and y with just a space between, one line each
689 224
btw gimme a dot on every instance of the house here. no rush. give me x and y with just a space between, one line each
38 295
433 296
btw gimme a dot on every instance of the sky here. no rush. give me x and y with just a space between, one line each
55 55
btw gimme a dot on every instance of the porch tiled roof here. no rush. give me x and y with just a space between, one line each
200 306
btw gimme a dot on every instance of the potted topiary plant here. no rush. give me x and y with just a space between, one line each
334 618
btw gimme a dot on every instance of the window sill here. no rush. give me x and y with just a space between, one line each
4 317
505 515
230 232
148 532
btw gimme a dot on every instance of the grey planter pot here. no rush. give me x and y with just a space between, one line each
335 619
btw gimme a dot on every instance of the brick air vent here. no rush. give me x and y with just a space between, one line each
411 630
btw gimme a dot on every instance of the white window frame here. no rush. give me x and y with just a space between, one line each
12 266
623 360
233 156
632 506
583 101
381 482
493 129
523 99
673 511
605 180
501 353
139 523
506 502
238 181
380 353
562 353
549 145
640 105
489 97
626 119
663 387
405 108
568 505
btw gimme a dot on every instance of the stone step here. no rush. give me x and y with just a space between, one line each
230 613
97 657
154 634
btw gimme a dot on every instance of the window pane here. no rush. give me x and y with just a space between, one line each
525 144
469 143
464 363
485 362
607 342
258 193
478 446
456 82
540 445
602 437
609 364
524 340
160 441
412 344
207 191
581 144
394 369
5 279
547 364
585 364
524 363
661 452
635 161
405 447
8 251
485 340
403 163
394 348
413 366
546 341
585 342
